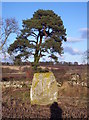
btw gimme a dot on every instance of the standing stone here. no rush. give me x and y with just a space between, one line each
44 89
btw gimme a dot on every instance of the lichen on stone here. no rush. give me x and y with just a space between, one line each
44 89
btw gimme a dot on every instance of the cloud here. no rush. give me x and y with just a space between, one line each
5 57
72 51
84 33
72 39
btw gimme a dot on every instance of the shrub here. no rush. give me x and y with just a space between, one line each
8 70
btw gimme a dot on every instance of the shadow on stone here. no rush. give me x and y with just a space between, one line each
56 112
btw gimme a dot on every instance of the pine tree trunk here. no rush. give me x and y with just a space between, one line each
37 56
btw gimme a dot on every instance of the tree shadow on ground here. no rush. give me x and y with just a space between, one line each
56 112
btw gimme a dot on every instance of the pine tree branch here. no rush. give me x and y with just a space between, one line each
32 41
34 34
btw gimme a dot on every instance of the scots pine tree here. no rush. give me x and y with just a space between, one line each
41 35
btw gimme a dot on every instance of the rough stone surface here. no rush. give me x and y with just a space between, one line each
75 77
44 89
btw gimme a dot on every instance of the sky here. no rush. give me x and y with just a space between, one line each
73 14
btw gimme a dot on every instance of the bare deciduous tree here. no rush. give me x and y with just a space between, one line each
7 27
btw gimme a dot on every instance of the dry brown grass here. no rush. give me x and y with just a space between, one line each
72 91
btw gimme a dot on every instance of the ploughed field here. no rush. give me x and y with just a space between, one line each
72 95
